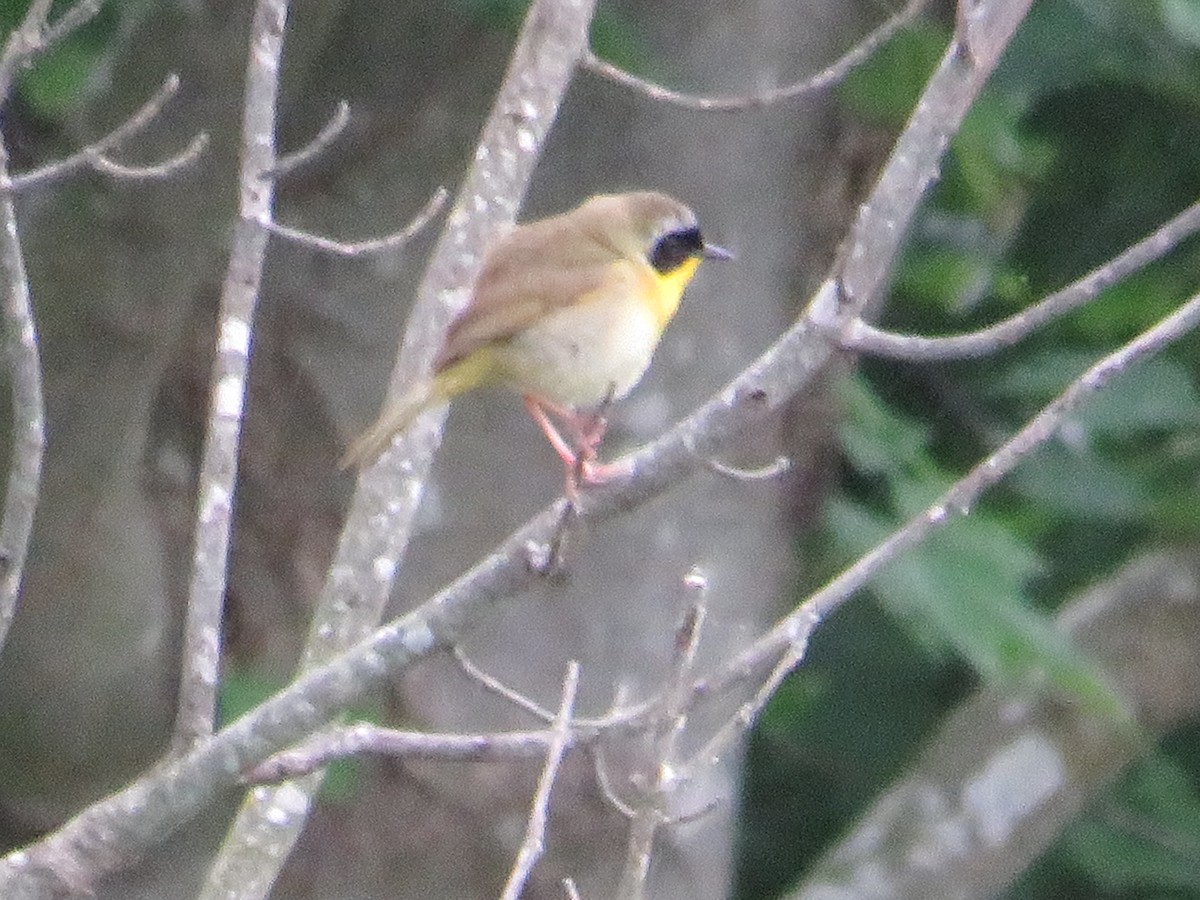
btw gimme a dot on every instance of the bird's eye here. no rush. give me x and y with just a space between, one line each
674 247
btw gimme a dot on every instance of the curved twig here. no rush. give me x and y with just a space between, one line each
828 76
154 171
324 138
865 338
359 248
93 155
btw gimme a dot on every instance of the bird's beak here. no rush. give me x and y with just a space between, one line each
712 251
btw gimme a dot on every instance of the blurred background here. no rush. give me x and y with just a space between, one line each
1087 138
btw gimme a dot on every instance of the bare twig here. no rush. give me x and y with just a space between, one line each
499 688
776 467
604 782
571 890
955 502
650 810
535 831
747 714
155 171
364 738
375 245
828 76
95 154
71 20
865 338
325 137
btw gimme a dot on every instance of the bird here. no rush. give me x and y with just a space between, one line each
567 311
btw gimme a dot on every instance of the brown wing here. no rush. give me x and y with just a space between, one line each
527 274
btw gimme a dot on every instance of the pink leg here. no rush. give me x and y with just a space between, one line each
579 455
587 429
537 411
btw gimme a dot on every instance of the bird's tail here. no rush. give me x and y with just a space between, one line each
466 374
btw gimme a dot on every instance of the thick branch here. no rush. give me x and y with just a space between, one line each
1001 779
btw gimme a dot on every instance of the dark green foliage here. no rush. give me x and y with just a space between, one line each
1087 139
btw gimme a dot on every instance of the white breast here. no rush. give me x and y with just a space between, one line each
583 352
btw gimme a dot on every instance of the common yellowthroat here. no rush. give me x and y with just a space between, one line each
567 311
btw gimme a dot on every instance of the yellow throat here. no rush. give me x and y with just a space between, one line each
668 290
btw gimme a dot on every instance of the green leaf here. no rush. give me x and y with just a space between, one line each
1081 485
966 586
876 438
793 702
939 276
1155 394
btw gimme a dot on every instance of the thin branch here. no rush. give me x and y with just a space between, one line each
865 338
28 428
231 363
22 355
695 815
569 888
154 171
499 688
828 76
535 832
604 782
366 739
72 20
955 502
672 717
650 812
619 714
375 245
93 154
747 714
314 148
